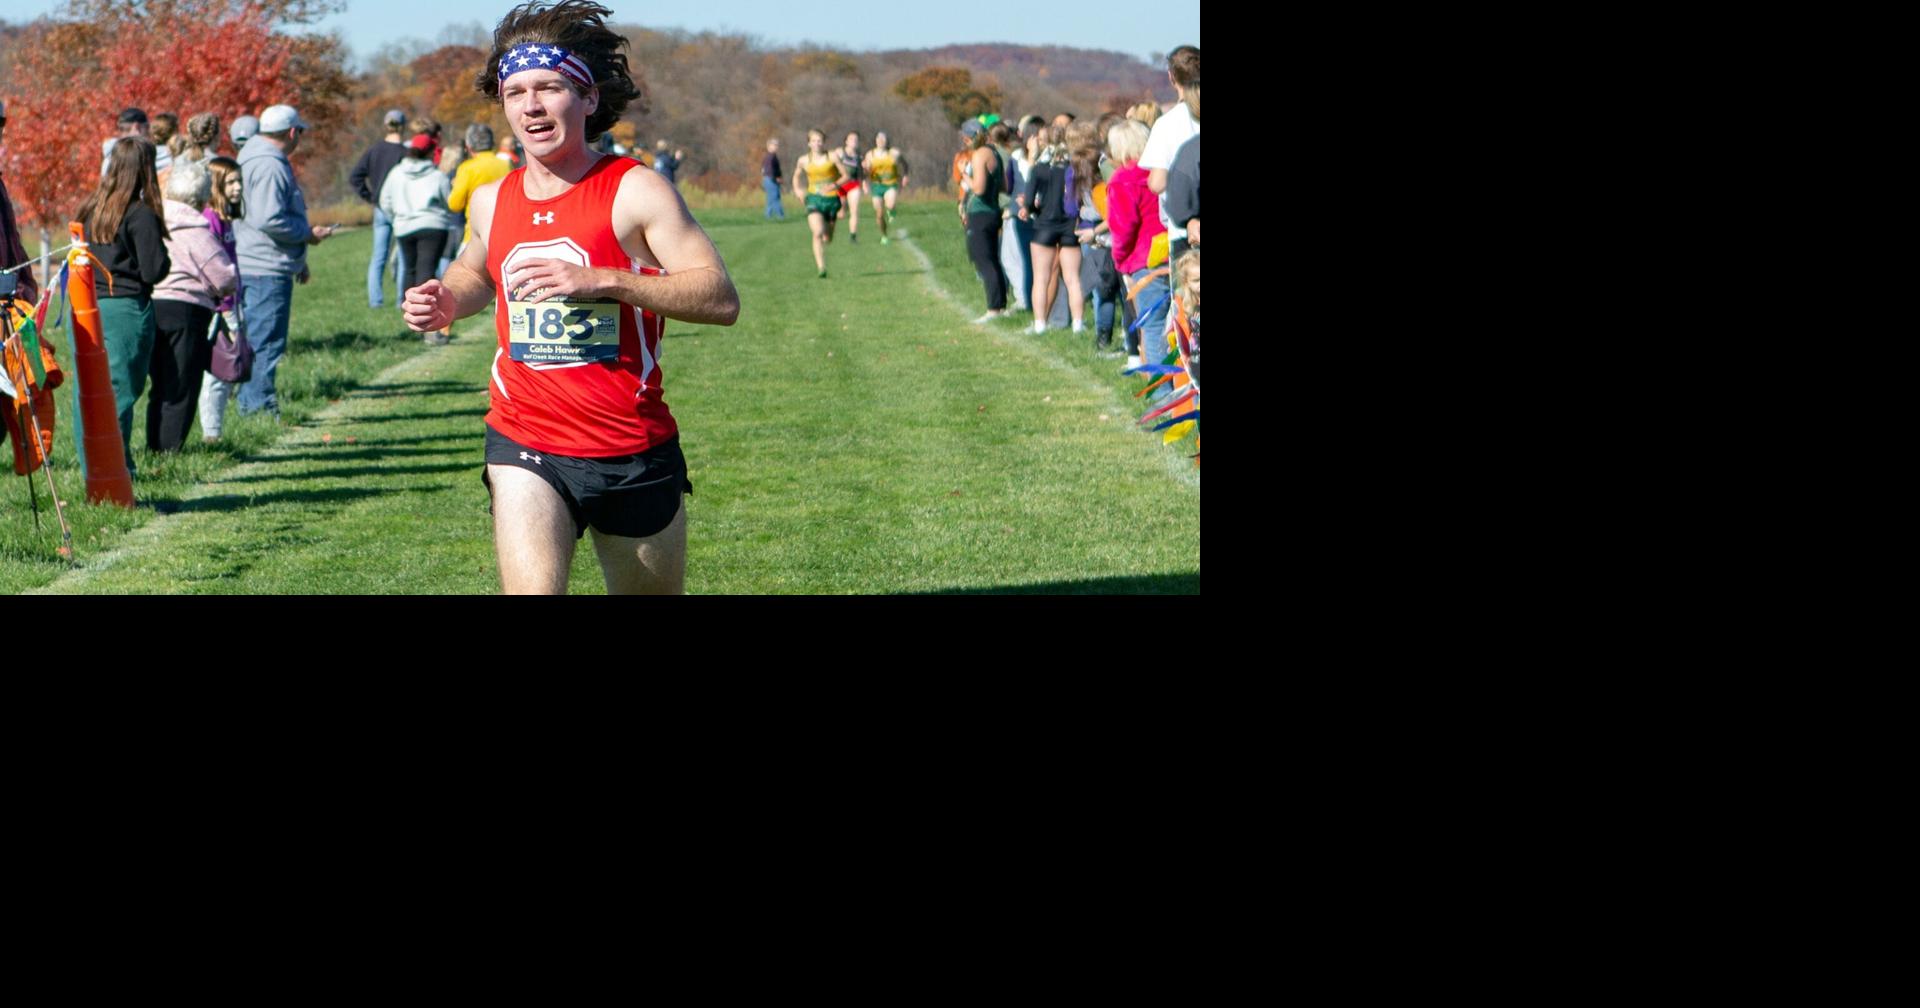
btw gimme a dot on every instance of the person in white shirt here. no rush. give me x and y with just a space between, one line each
1174 128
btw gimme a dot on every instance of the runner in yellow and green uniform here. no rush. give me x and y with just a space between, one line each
886 174
817 178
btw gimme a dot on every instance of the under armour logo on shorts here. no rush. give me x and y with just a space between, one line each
537 215
535 459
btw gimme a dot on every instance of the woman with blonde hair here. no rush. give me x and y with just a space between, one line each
1053 205
1133 220
123 226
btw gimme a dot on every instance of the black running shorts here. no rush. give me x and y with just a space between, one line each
625 495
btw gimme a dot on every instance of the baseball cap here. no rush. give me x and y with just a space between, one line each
971 128
280 118
130 116
421 141
243 129
395 117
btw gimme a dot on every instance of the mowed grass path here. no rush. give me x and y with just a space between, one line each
848 435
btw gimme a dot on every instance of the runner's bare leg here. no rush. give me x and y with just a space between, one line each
655 565
532 533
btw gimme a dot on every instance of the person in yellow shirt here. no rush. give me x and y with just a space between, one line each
817 178
482 165
887 175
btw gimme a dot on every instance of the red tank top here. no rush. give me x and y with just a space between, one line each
573 376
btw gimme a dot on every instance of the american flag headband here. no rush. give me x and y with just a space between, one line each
545 57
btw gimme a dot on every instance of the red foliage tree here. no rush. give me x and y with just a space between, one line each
69 79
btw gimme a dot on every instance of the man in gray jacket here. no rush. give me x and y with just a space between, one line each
271 239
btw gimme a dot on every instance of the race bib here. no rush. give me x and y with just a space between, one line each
569 331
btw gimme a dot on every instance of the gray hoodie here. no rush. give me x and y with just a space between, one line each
415 196
271 234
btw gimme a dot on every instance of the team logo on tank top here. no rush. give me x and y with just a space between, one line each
558 333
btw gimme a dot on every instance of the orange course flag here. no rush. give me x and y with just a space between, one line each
105 453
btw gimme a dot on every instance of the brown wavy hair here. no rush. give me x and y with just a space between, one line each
130 178
578 26
220 169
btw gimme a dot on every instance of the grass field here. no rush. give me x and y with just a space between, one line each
847 435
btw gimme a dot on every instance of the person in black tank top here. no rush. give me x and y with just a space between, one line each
851 189
985 177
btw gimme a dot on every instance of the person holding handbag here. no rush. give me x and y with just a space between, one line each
201 274
231 356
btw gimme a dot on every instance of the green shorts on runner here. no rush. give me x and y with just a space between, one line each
881 189
826 206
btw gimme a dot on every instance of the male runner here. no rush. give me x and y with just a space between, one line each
818 178
887 174
585 256
849 158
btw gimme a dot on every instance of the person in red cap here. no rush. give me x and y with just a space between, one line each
585 255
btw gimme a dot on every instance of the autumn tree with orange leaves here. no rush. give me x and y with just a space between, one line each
954 87
70 77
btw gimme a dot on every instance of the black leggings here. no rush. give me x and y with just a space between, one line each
423 253
181 352
983 244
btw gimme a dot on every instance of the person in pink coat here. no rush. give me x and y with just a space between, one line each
1133 217
203 273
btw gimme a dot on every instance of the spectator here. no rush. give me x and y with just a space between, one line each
242 131
202 274
201 141
1183 182
133 122
1133 222
1144 113
273 235
985 178
1015 255
1098 272
368 176
509 150
667 163
163 131
415 196
770 176
1053 206
477 170
13 251
221 212
123 227
1170 131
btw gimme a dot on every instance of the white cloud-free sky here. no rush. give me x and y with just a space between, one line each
1135 27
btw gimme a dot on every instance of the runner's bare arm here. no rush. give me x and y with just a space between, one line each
467 287
654 226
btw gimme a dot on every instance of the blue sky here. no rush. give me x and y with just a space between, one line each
1134 27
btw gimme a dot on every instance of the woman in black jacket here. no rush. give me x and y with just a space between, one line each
128 236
